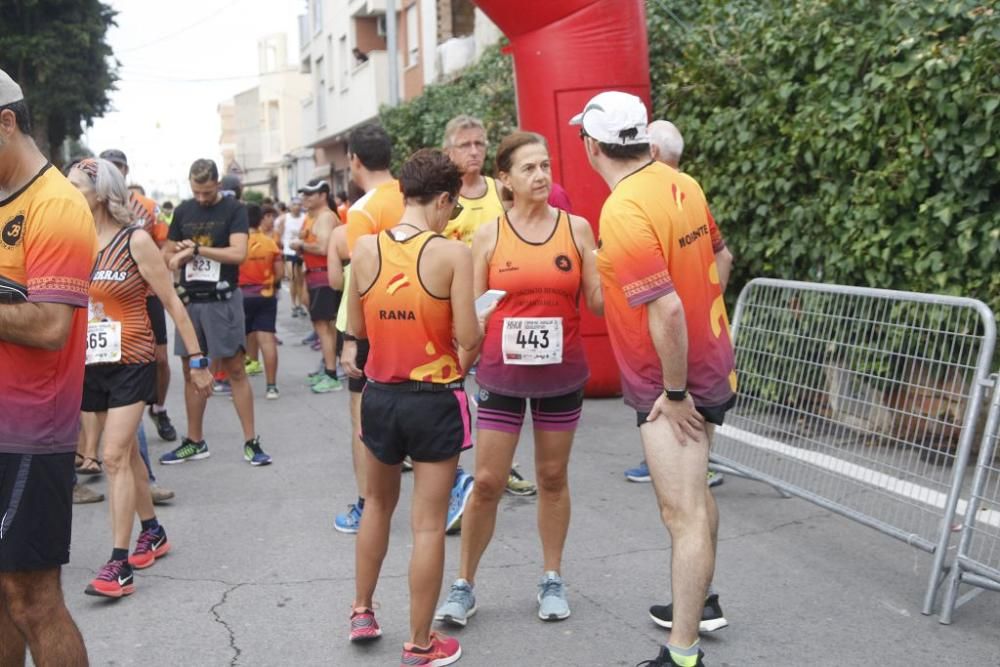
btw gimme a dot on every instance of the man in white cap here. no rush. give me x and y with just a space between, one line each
48 244
670 336
666 145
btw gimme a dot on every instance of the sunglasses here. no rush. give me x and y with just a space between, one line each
457 211
583 134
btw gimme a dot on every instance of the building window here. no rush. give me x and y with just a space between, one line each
345 62
412 36
320 92
317 16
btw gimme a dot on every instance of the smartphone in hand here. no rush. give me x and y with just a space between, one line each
488 298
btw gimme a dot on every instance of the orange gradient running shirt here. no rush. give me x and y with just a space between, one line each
410 330
381 208
657 236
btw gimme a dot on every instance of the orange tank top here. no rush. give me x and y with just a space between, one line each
410 330
533 347
118 294
315 264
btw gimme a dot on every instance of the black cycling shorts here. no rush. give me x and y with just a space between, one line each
157 319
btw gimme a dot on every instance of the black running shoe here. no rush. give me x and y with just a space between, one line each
665 659
712 618
164 428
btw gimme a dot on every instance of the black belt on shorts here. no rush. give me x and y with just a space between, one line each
208 297
316 270
411 386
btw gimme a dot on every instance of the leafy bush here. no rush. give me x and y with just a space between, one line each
484 90
842 141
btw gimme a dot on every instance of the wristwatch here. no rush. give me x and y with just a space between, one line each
676 394
199 363
197 249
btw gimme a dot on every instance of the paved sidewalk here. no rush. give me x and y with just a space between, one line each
258 576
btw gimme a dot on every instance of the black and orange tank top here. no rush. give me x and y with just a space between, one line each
410 330
117 305
533 346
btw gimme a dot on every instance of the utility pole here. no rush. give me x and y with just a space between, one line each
392 45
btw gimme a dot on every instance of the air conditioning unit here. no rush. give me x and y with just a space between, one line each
380 28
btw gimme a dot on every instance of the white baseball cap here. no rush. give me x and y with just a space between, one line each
10 92
614 117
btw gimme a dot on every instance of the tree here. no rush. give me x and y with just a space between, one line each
56 50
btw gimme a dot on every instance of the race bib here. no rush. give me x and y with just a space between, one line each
529 341
202 269
104 342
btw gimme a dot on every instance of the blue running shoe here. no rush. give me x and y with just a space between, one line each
640 473
460 605
552 604
460 493
189 450
254 455
349 521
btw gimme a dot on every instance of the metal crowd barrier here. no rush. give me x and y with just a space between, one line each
978 559
862 401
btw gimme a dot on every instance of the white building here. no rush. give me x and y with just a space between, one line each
261 127
344 52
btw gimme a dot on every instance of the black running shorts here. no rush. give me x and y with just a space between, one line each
715 414
427 426
157 319
36 510
324 302
260 313
107 386
357 385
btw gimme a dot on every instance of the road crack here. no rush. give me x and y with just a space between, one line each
221 621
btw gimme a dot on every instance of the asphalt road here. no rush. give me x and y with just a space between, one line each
258 576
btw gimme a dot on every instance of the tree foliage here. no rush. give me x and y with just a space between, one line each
484 90
842 141
56 51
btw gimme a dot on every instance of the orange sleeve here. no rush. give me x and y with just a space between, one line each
630 244
60 245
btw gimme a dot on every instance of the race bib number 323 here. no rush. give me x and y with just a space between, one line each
104 342
529 341
202 269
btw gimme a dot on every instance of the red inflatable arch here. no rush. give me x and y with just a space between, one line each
565 52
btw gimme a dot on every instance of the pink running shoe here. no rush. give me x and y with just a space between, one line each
443 651
364 627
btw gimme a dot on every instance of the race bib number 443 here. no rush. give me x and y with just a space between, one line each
529 341
104 342
203 269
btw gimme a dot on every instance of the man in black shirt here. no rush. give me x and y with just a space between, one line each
206 244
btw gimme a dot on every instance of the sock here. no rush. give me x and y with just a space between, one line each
150 524
361 503
119 554
332 373
158 409
684 657
710 592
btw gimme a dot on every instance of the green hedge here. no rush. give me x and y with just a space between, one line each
846 141
843 141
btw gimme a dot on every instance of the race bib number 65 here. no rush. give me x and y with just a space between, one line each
529 341
202 269
104 342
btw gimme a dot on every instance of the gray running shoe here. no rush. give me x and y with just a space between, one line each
552 604
460 605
